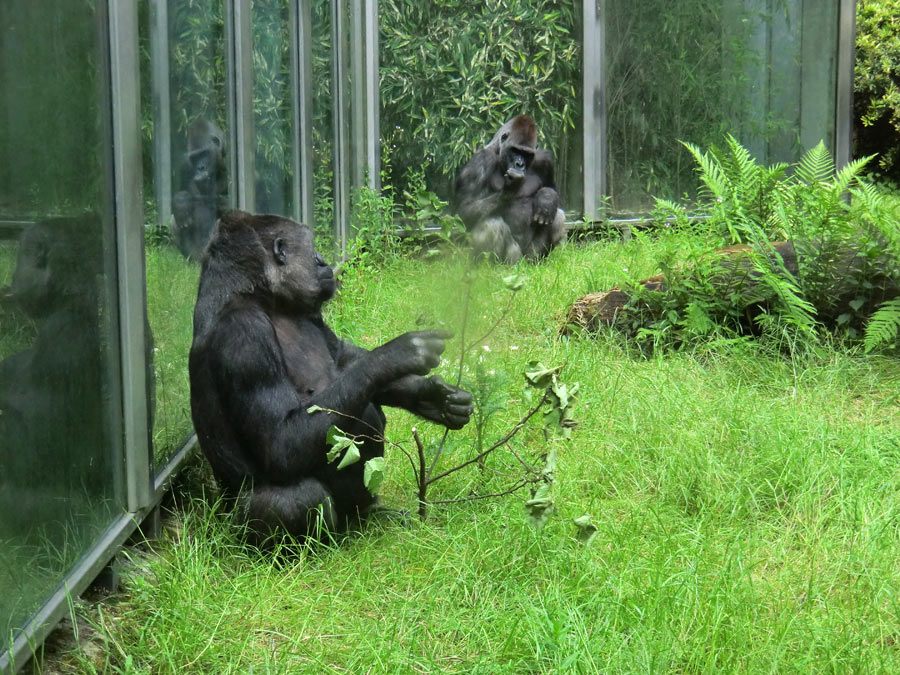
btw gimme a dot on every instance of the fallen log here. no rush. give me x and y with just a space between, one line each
738 276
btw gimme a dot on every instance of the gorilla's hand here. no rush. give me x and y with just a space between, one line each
544 205
415 352
445 404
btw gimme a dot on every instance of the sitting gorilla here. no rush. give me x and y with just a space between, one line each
262 356
506 197
204 188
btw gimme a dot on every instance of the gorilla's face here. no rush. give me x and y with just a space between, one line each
517 160
302 279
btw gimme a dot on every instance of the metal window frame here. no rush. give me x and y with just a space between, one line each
301 94
371 64
239 87
843 100
128 195
162 110
594 117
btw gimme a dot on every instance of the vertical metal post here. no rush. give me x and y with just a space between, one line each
127 180
594 107
239 65
301 99
843 118
162 110
373 96
340 164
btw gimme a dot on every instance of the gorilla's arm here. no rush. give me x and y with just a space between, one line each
428 397
545 201
479 190
262 404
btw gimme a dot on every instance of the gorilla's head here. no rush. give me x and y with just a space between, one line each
269 258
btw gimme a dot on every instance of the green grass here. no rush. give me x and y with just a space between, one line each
746 503
171 292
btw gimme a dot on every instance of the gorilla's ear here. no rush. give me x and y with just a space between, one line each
279 250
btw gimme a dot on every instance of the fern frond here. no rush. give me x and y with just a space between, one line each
745 171
850 173
867 197
883 326
816 166
710 170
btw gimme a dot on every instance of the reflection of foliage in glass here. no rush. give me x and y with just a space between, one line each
453 71
196 64
677 70
50 106
322 102
272 105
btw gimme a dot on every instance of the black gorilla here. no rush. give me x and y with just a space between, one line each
262 356
506 196
204 188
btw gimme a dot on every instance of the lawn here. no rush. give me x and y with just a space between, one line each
746 507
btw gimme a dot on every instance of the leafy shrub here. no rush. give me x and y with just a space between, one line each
877 82
847 252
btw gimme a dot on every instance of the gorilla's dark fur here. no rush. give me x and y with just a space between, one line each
506 196
204 188
262 356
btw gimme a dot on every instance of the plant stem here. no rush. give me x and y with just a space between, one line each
501 442
423 482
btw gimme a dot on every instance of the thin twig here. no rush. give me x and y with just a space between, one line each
501 442
472 498
420 475
490 330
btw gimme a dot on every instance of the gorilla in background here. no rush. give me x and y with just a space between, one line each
204 188
506 196
262 355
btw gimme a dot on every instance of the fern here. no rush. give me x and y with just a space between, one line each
849 174
816 166
883 326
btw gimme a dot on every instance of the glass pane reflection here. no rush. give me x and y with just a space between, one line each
272 113
61 475
198 144
694 71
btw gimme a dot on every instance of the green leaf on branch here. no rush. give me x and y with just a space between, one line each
339 442
315 408
540 506
373 474
540 376
586 529
514 282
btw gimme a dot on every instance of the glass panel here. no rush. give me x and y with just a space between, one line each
762 70
272 107
322 121
453 73
61 460
198 170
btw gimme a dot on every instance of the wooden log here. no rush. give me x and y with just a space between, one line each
738 276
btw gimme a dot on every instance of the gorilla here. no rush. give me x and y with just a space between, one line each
506 197
262 356
204 188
